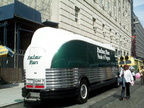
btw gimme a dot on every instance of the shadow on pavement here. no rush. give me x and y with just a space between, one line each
51 104
4 86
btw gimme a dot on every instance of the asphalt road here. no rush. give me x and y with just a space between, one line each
107 97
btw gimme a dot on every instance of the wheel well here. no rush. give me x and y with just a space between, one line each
84 78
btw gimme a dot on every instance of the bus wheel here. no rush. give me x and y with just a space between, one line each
83 92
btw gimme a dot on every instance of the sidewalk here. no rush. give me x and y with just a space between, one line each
10 94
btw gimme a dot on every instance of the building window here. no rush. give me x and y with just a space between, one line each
101 2
124 53
110 30
94 25
116 40
115 9
77 16
103 26
108 5
111 39
134 31
94 21
94 1
103 29
116 52
115 3
104 34
133 25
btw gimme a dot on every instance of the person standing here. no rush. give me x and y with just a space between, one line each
142 75
127 78
132 69
120 69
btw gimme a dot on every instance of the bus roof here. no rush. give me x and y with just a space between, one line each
50 36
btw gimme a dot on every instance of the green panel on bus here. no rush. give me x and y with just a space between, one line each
80 54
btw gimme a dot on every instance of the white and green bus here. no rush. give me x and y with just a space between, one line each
59 64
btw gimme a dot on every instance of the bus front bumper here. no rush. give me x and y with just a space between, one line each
36 95
58 94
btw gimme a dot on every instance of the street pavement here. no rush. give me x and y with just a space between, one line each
136 100
10 94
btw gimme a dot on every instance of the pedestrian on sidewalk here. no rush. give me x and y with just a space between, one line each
132 69
141 71
127 78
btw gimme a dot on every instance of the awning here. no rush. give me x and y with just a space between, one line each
20 10
5 51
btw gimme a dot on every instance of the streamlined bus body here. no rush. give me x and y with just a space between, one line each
59 64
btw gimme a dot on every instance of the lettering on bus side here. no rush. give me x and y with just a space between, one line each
103 54
33 59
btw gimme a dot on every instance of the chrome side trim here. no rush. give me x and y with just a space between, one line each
66 78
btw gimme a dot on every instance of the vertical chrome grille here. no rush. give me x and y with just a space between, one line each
60 78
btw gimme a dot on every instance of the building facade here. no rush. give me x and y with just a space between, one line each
106 21
137 38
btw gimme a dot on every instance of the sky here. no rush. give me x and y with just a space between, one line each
139 10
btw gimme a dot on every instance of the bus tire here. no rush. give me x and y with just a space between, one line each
24 92
83 92
26 104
